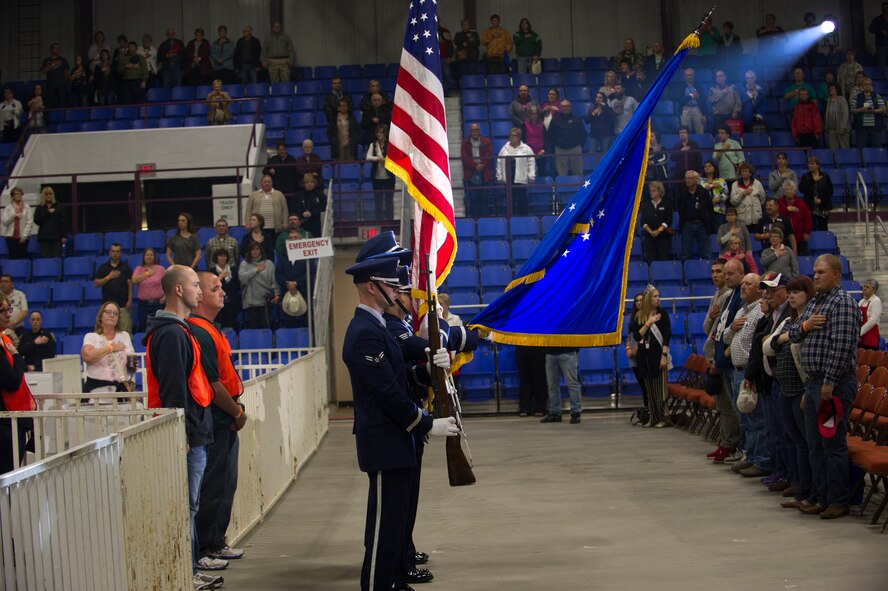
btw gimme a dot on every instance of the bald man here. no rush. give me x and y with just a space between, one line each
177 380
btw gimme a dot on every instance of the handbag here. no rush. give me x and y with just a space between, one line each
536 66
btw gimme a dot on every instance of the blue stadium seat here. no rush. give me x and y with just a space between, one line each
546 222
596 370
695 323
493 228
756 140
499 112
256 338
474 113
276 120
149 239
550 79
495 278
119 125
638 276
277 104
301 120
500 95
522 249
579 93
678 327
847 157
76 116
256 89
66 294
124 239
875 157
680 353
806 265
463 278
78 268
92 295
494 252
84 319
467 253
575 79
291 338
69 345
476 378
879 181
101 114
324 72
474 97
675 297
94 126
304 103
88 243
58 321
825 155
46 270
499 81
195 121
472 81
283 89
465 229
167 122
524 227
158 95
666 273
182 93
822 243
375 70
38 294
177 110
760 159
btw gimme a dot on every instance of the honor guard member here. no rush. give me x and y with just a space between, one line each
387 421
220 477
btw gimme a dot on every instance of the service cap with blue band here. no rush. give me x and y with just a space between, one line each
404 278
379 268
382 245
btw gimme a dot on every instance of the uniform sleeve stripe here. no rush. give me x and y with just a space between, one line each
416 422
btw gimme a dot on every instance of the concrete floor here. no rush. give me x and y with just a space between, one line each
601 505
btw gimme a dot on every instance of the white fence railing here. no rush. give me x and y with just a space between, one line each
112 513
68 520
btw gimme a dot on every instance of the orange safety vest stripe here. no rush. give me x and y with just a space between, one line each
21 399
227 374
198 386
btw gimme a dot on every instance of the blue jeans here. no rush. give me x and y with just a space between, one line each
691 234
171 75
752 426
829 457
197 463
600 144
247 74
794 420
780 446
565 364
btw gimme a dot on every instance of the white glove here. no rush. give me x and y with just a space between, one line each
441 358
444 427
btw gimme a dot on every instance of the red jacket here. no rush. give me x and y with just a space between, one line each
806 119
203 52
486 156
800 220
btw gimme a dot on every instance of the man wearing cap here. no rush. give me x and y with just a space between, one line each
387 421
739 336
759 369
828 331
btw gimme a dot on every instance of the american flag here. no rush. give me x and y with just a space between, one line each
417 151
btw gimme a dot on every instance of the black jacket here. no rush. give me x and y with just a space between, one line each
33 353
314 202
567 131
255 52
654 216
52 225
701 201
171 357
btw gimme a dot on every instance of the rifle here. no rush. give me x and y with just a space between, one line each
459 470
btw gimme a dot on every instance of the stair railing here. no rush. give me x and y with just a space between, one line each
880 235
862 197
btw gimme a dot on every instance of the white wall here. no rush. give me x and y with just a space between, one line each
80 153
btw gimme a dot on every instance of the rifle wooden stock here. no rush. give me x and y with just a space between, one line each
459 471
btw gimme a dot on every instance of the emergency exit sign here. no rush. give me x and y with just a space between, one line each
368 232
147 168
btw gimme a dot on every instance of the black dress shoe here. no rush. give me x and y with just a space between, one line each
420 558
403 588
418 575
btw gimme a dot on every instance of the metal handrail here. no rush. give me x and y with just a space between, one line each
861 195
880 234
